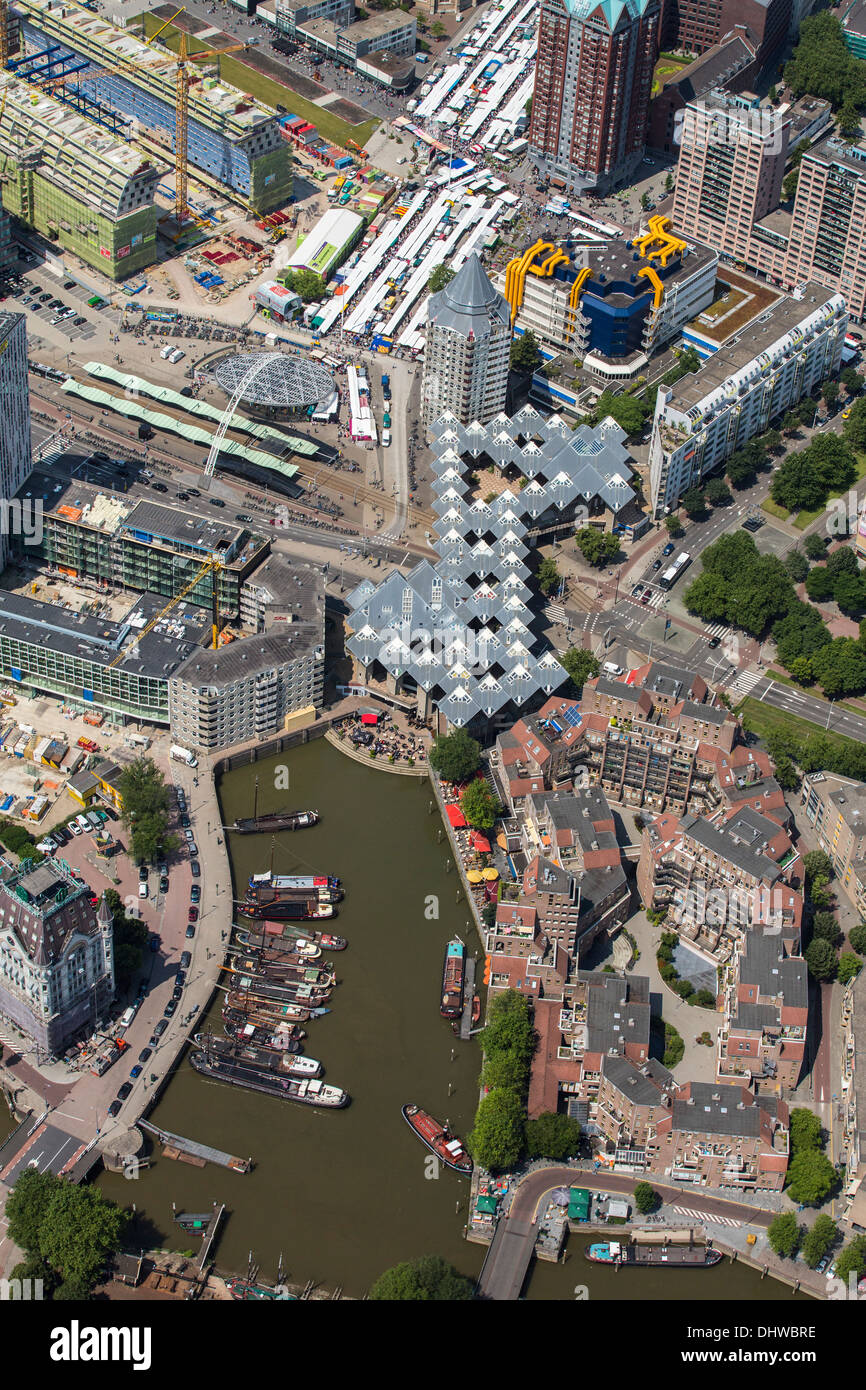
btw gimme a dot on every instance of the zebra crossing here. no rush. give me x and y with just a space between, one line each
707 1216
556 613
717 630
745 682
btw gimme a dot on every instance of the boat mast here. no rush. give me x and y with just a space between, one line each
256 800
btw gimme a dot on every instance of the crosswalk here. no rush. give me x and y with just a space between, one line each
707 1216
745 682
556 613
717 630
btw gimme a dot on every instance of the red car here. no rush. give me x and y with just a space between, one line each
645 596
193 915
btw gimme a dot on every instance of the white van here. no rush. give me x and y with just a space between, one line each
611 669
82 823
127 1016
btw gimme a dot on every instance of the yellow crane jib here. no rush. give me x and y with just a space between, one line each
656 283
206 568
574 297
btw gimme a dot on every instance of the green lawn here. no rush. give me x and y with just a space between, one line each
774 509
271 93
763 720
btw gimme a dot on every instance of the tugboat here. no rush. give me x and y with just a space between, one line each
282 1038
438 1139
453 974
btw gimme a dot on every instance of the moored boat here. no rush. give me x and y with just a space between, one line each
281 936
247 1289
453 974
284 1063
253 1078
274 821
265 1011
290 909
284 971
438 1139
693 1256
279 1038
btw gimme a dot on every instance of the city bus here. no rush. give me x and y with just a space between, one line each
670 576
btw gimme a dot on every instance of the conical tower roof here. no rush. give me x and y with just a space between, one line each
470 303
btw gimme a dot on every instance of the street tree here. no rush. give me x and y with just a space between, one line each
815 546
673 525
817 864
598 548
783 1233
811 1178
826 928
821 960
552 1136
857 938
694 502
580 664
646 1199
818 1239
849 966
717 492
852 1260
547 574
497 1138
455 756
479 805
525 352
805 1130
440 276
797 565
144 809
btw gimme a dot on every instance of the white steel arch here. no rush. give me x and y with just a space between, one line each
259 365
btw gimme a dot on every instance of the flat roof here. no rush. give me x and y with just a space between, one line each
242 659
833 151
333 230
781 318
158 522
99 640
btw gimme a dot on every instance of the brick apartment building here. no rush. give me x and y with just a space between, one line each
766 1013
693 26
593 81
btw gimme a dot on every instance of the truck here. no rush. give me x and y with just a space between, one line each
386 387
182 755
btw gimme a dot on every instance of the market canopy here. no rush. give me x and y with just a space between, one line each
475 876
491 874
455 816
578 1204
486 1204
481 842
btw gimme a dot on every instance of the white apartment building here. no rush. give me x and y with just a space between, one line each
773 362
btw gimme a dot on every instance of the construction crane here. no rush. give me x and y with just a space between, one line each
182 86
209 566
181 119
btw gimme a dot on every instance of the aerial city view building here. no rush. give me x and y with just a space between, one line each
432 497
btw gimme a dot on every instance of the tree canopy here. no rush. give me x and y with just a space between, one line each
630 413
823 65
552 1136
525 352
144 798
811 1178
73 1229
479 805
547 574
580 664
440 276
818 1239
645 1198
821 959
598 548
805 479
429 1279
783 1233
497 1137
306 283
455 756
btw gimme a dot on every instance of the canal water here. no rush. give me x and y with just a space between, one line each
343 1195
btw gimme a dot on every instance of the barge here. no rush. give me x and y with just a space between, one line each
438 1139
253 1078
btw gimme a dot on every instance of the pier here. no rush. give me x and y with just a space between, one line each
190 1151
205 1225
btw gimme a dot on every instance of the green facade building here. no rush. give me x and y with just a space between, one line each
76 184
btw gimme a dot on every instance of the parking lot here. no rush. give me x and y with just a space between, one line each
48 303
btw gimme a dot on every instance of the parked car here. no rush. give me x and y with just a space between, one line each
163 883
190 834
195 893
61 834
185 820
186 960
142 890
75 827
195 866
114 1108
160 1028
193 848
142 873
190 932
159 487
48 845
192 915
79 321
136 1072
177 991
170 1008
144 1054
125 1090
